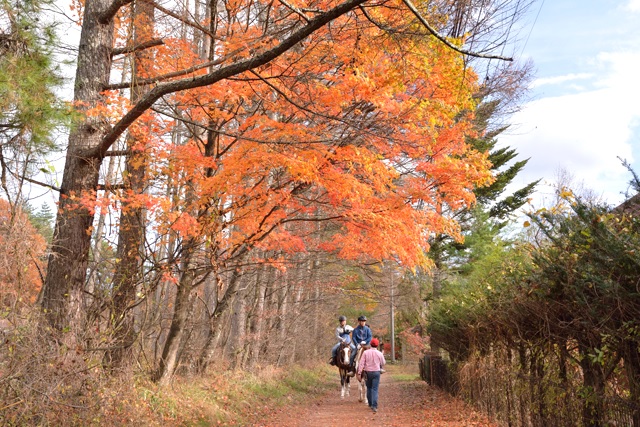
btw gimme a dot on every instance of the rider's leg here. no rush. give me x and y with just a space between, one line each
334 351
353 353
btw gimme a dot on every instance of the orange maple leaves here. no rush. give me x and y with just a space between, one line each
351 142
21 257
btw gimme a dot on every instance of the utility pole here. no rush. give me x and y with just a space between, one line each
393 329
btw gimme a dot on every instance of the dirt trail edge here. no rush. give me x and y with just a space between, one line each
404 400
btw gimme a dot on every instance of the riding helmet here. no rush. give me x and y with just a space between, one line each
341 318
361 318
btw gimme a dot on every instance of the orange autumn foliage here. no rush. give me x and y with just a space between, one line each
21 252
352 142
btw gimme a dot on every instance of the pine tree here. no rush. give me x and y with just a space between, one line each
42 220
29 107
493 210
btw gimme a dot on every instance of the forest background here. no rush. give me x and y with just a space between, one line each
239 173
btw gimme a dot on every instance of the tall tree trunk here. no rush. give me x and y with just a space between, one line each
128 273
63 294
283 311
182 310
316 316
294 329
224 302
238 329
98 238
522 373
257 319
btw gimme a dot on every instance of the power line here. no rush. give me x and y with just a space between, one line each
532 26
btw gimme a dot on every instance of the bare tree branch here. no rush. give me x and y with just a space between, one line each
444 40
181 18
157 79
111 11
141 46
295 9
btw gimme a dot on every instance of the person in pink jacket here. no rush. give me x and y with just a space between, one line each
371 363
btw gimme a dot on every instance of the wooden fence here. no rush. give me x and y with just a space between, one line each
513 399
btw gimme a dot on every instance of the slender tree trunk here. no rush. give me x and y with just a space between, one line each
128 273
295 326
522 369
208 352
316 317
98 238
238 329
258 319
283 310
182 309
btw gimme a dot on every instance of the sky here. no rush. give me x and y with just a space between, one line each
584 110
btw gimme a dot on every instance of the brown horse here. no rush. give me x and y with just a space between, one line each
343 359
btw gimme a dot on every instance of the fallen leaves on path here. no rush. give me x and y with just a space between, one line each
403 401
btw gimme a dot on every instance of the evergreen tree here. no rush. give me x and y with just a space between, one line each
29 107
42 220
493 210
481 225
488 197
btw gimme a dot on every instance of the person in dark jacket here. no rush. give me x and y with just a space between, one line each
361 335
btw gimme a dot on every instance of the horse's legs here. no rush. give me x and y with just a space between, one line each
362 388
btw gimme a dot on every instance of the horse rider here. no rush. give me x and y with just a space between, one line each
361 335
343 335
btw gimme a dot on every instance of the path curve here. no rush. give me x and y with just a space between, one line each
404 400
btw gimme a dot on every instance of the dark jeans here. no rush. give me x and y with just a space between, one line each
373 381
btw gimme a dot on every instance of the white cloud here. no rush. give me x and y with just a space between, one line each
633 6
584 133
560 79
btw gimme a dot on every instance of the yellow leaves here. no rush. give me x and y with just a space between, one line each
566 193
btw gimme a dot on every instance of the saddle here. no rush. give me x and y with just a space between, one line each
356 360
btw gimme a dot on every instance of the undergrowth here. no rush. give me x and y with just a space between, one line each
236 398
40 385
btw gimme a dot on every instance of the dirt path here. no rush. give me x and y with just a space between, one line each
404 400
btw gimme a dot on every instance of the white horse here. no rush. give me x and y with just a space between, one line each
362 381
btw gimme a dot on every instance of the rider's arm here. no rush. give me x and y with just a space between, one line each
338 331
368 336
356 335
